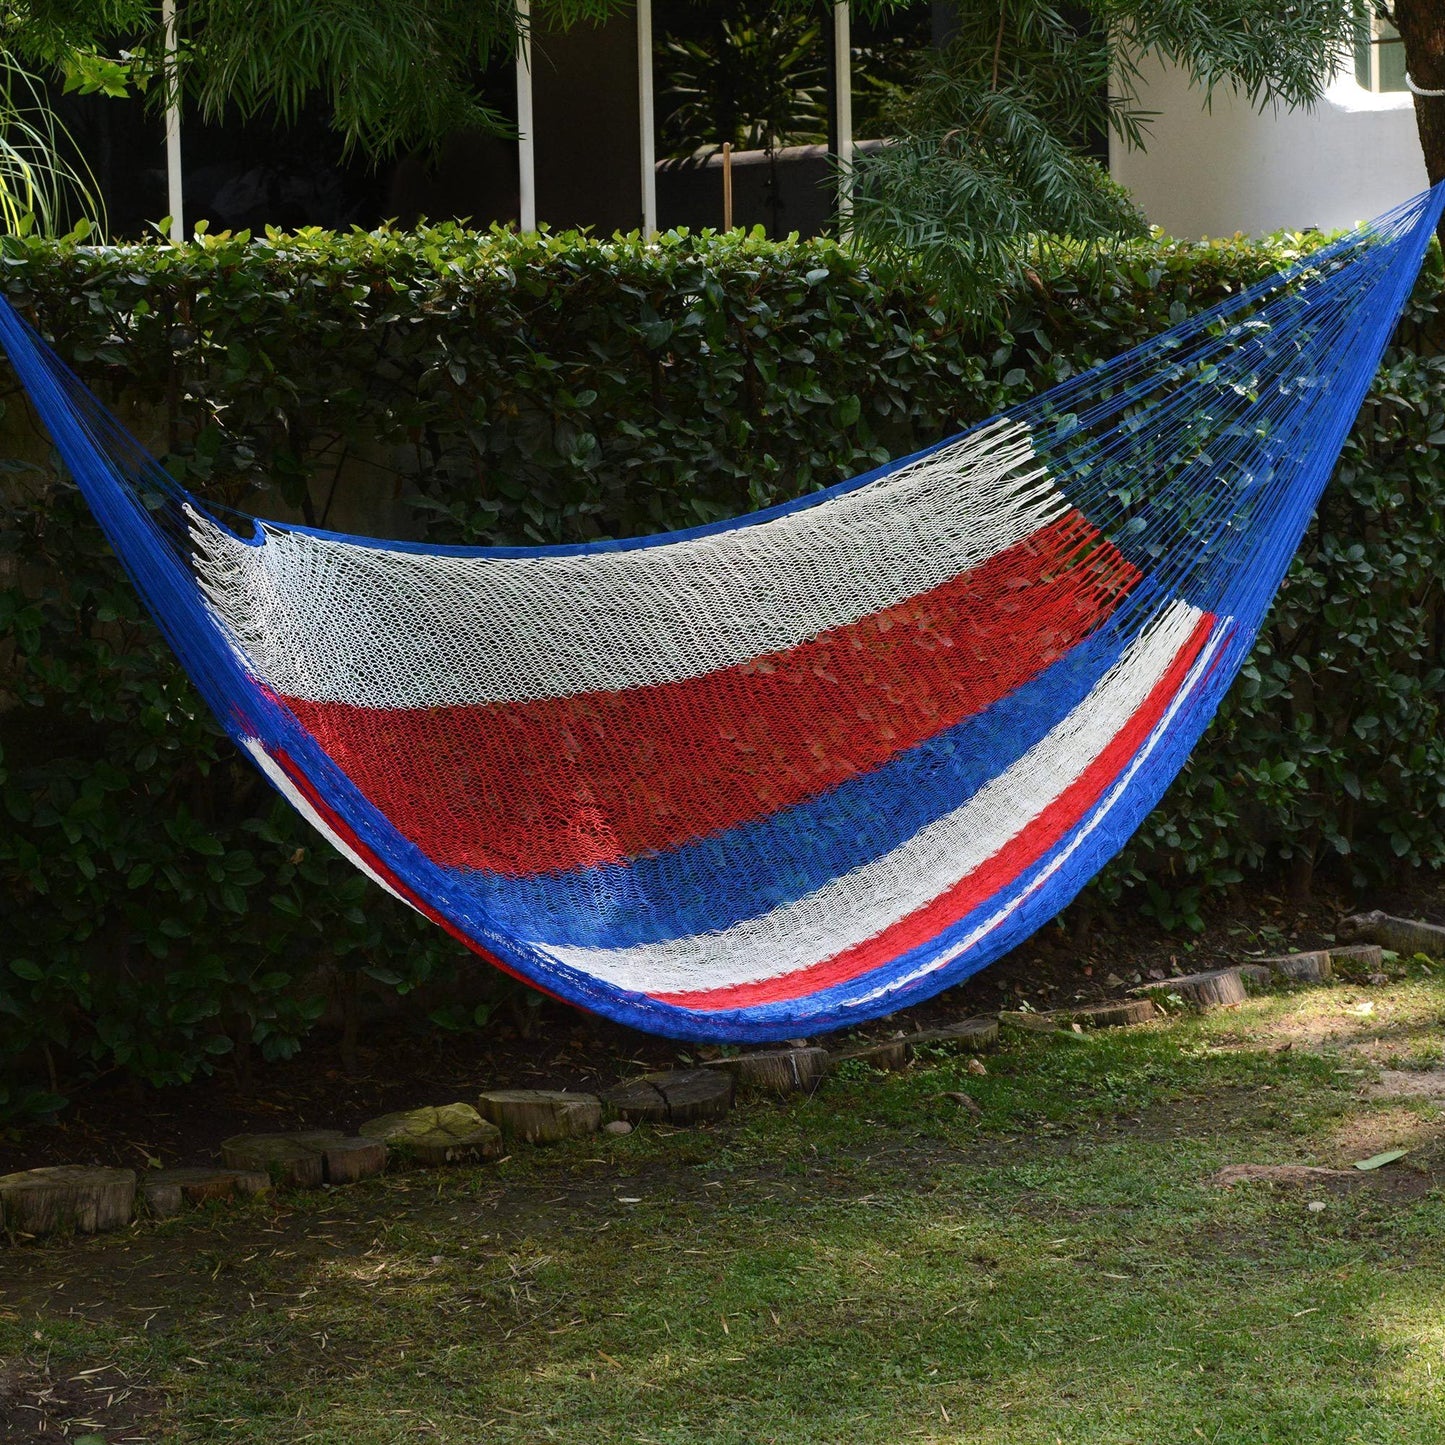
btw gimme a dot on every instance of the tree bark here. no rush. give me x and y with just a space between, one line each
1311 967
540 1116
1219 988
1421 24
66 1196
777 1071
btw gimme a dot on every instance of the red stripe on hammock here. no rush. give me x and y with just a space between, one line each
1021 852
563 783
347 834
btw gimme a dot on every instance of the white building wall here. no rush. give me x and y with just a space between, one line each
1228 168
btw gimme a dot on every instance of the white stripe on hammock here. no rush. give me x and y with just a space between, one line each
1199 670
342 621
303 805
861 904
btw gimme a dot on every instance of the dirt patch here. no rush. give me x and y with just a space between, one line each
38 1408
1287 1174
1370 1131
1395 1185
1409 1084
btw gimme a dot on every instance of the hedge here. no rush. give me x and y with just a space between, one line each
159 911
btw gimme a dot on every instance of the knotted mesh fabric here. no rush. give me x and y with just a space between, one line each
798 769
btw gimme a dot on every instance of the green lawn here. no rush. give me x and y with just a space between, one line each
869 1265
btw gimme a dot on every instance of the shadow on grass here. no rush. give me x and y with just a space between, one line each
869 1265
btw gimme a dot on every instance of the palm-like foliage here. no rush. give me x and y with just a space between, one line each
992 143
394 73
41 188
757 83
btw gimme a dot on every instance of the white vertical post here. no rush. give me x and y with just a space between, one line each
175 197
843 94
645 119
526 141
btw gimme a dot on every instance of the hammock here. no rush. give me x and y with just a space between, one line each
796 770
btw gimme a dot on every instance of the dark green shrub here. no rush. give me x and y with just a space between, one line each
158 909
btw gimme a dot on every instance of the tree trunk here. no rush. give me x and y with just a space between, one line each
1421 24
1301 874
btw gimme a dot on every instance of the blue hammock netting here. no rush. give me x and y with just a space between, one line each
803 768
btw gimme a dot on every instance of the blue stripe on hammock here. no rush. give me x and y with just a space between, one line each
1119 823
700 887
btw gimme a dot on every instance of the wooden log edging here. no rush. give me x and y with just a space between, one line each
1367 956
675 1096
307 1159
168 1191
41 1201
1405 936
66 1196
541 1116
1309 967
436 1134
777 1071
1216 988
976 1035
888 1055
1113 1014
1256 975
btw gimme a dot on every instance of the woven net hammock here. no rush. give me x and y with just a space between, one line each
792 771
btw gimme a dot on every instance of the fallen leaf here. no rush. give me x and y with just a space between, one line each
1378 1161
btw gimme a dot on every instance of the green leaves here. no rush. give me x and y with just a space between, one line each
393 76
157 903
990 157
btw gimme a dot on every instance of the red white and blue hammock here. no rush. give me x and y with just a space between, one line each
796 770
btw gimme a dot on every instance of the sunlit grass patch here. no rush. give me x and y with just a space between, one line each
872 1264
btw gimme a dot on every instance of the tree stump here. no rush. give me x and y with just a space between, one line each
168 1191
347 1161
777 1071
1033 1023
286 1158
1256 975
638 1101
1405 936
306 1159
1311 967
976 1034
1116 1013
888 1056
1218 988
441 1134
679 1096
1367 957
67 1196
541 1116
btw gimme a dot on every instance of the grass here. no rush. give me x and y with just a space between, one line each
869 1265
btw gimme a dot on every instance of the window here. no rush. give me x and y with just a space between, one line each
1380 58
